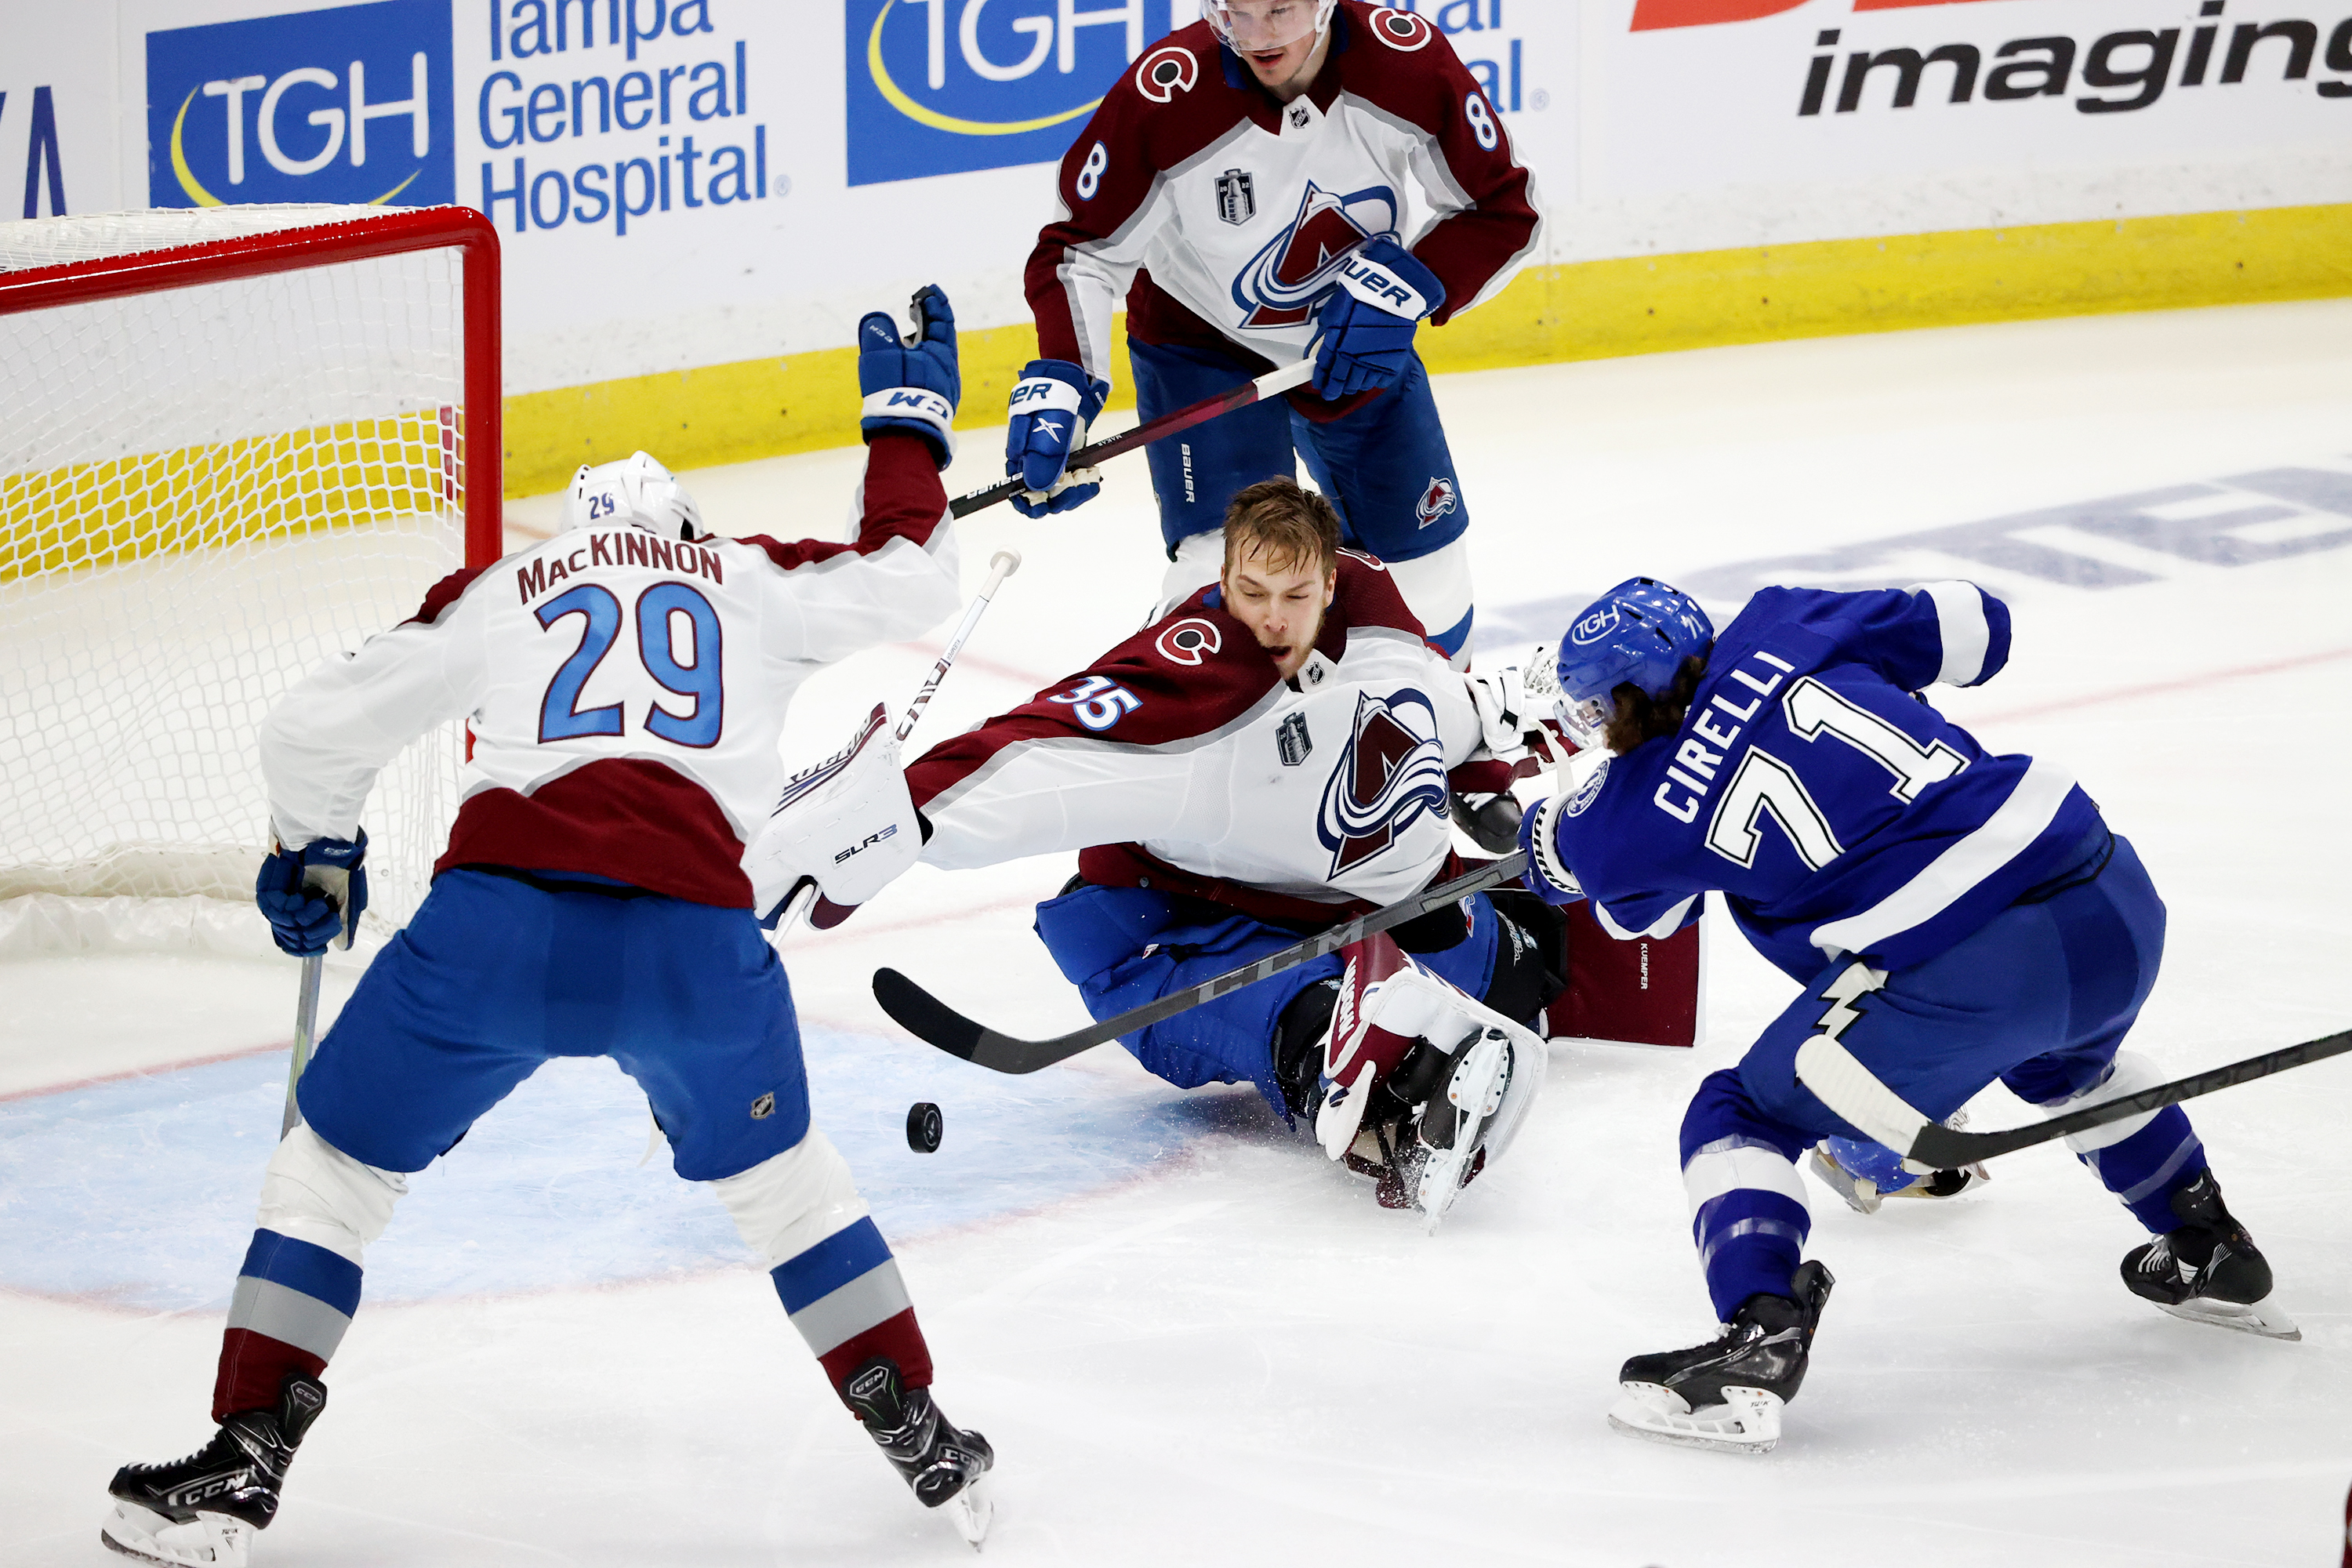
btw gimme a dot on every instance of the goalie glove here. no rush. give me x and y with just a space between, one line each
847 824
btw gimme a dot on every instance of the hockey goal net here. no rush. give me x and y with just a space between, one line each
235 442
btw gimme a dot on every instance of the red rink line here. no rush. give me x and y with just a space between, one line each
2158 689
156 1070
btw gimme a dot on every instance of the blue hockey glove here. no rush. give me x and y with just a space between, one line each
1051 407
1548 876
1366 324
309 894
912 383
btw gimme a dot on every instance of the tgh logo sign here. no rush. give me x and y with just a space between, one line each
351 104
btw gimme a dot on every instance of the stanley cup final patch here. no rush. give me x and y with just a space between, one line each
1293 740
1236 195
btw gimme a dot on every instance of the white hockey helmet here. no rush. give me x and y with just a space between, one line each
635 490
1242 25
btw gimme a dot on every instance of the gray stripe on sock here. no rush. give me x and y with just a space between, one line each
1748 1228
2164 1172
874 1297
307 1323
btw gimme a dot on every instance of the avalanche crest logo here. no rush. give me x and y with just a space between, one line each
1435 502
1389 773
1282 282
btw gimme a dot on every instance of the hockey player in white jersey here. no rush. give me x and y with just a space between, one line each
626 683
1244 191
1267 759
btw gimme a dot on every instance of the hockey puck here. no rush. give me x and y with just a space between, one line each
923 1127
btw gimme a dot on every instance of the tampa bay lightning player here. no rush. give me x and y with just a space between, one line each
1954 916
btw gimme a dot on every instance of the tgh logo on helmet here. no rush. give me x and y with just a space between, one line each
1594 626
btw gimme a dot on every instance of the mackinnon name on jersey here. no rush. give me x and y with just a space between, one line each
628 547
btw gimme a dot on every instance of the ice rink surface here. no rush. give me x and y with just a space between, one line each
1190 1339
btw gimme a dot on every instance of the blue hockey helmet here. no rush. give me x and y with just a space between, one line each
1638 633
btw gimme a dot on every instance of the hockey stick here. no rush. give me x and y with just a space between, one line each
1002 564
928 1019
1272 383
804 900
306 1024
1847 1088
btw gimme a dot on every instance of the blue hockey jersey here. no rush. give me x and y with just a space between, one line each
1836 811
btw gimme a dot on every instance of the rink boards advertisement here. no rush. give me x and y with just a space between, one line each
683 185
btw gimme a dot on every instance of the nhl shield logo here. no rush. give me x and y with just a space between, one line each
1293 740
1236 195
1436 501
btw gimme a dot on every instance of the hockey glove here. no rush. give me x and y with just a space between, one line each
309 894
1366 324
848 824
912 383
1050 408
1548 875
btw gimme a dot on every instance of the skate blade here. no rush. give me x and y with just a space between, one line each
209 1540
2261 1318
1747 1422
972 1511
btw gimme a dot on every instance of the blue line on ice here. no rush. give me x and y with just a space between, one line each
140 1192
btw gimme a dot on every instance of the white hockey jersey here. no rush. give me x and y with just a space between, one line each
626 692
1222 218
1182 760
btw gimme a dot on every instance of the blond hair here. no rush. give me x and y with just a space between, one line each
1283 525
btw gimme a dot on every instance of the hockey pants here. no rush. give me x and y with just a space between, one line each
2039 998
494 974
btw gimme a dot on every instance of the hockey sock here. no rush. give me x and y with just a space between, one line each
1748 1206
300 1281
2143 1159
292 1304
845 1296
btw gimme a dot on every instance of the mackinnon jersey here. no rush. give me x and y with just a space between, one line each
1224 218
1835 809
1182 760
626 691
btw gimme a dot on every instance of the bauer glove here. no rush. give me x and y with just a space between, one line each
1366 324
311 894
912 383
1051 407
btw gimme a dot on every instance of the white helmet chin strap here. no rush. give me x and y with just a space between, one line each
636 491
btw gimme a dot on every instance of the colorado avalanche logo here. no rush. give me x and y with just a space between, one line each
1282 282
1165 72
1435 502
1391 772
1190 640
1400 30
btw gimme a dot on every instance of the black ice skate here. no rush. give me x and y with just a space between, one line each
943 1465
202 1511
2208 1271
1728 1393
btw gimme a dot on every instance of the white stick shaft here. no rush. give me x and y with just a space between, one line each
1002 566
1275 383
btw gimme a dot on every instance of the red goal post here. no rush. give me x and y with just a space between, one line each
233 441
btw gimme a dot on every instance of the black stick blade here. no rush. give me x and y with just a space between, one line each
925 1016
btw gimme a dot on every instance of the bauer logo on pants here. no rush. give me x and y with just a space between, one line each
352 104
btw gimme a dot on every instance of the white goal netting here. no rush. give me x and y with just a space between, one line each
205 491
